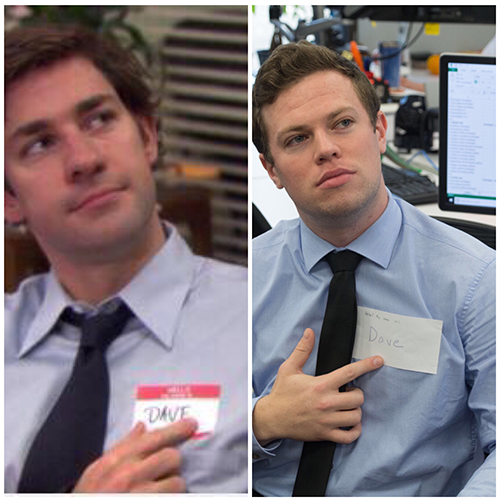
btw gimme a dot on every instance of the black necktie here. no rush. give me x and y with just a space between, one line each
73 435
335 350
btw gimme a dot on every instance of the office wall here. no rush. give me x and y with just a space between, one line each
452 37
204 94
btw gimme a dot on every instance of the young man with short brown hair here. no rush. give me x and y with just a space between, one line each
405 428
80 141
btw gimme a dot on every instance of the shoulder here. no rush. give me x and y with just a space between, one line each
285 234
28 297
221 272
276 258
443 239
217 301
197 274
22 306
220 279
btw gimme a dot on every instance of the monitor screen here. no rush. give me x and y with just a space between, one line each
467 152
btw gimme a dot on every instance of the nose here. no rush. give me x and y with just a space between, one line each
326 147
83 158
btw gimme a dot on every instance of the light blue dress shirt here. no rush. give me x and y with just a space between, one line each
422 434
190 327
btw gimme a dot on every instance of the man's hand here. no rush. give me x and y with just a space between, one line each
142 462
307 408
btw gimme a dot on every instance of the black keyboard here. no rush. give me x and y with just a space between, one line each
411 186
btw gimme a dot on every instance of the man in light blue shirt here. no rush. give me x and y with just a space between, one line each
80 140
400 431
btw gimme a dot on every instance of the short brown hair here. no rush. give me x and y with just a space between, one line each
31 48
287 65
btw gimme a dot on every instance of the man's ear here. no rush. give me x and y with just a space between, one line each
381 131
149 133
13 211
271 171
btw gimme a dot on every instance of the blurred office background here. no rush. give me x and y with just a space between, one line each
463 31
197 56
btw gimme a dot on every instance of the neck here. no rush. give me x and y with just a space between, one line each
342 230
93 281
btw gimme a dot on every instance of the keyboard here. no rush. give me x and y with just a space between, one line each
410 186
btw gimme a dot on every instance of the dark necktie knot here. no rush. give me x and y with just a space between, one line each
100 330
346 260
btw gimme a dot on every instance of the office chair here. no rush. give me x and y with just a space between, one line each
482 232
259 222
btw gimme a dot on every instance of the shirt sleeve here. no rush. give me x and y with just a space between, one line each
479 325
259 452
482 483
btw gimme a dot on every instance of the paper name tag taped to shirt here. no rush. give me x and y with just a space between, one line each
161 405
404 342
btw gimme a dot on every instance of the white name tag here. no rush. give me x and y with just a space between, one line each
404 342
161 405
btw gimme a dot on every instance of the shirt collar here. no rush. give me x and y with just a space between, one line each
55 300
376 243
158 293
156 305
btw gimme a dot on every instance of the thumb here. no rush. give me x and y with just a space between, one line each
302 351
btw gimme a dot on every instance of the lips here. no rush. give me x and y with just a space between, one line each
95 198
335 177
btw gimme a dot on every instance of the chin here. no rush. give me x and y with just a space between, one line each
114 238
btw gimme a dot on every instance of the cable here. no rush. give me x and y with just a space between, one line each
426 156
399 161
405 45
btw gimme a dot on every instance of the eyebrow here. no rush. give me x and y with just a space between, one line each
93 102
300 128
83 107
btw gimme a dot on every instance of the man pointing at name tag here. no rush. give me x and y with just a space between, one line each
366 276
126 363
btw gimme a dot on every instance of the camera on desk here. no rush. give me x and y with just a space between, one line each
415 125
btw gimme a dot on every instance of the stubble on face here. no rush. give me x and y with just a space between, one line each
45 192
346 209
319 126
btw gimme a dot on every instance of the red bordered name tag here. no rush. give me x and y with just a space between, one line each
161 405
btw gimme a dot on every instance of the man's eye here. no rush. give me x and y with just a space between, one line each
99 120
297 139
38 146
346 122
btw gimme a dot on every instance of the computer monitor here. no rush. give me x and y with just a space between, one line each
467 138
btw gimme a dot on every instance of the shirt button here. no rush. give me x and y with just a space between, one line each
255 456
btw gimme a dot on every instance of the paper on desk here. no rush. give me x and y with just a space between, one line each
403 341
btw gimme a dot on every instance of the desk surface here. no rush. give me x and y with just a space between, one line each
275 204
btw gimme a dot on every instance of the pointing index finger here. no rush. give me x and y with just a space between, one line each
170 436
354 370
